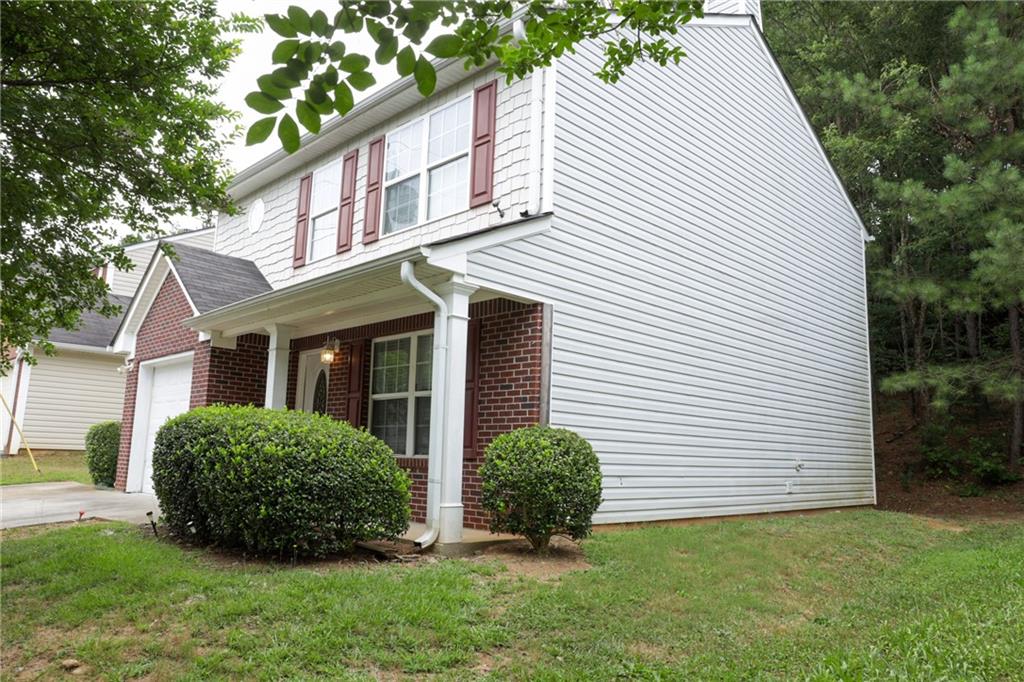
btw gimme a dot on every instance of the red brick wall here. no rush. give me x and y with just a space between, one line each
508 395
161 333
219 375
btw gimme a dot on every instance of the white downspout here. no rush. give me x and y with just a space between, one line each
533 172
437 403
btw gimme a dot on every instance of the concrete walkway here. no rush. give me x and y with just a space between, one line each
32 504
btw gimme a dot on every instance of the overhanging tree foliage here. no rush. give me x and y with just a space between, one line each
319 65
108 119
921 106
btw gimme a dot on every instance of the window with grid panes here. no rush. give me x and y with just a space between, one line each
400 378
426 167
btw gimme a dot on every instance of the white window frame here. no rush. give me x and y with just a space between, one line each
410 393
425 167
312 217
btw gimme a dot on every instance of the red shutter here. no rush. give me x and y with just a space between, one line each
374 190
481 174
472 380
354 399
348 200
302 221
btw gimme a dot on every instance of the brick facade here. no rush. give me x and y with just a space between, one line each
219 375
508 392
508 377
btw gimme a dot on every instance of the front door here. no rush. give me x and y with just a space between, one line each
313 396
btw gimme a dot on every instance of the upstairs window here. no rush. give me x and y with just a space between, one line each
426 167
323 211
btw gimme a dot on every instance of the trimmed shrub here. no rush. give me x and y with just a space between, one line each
541 481
276 482
102 441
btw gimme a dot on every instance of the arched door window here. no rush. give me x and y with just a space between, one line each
320 393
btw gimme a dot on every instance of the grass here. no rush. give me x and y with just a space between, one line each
61 466
852 596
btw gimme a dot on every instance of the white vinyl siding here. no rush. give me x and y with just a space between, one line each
706 278
67 394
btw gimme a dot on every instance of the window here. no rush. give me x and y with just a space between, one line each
400 377
323 211
426 167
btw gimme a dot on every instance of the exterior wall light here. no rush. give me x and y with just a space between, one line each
330 351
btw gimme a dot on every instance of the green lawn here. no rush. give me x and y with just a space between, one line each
855 595
65 466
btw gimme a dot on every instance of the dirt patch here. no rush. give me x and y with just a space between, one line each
519 558
939 524
902 486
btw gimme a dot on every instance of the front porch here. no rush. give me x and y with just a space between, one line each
433 365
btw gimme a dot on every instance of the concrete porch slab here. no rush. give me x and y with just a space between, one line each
34 504
473 540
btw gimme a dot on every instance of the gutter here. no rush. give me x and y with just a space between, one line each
437 404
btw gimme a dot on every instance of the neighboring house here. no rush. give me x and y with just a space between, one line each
61 396
669 266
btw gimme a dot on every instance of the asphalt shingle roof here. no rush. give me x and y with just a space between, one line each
94 330
214 280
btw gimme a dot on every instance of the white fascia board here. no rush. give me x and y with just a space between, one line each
294 293
170 264
81 348
452 255
171 239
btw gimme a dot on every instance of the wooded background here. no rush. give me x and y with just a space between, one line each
921 109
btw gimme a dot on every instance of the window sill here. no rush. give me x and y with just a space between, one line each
415 463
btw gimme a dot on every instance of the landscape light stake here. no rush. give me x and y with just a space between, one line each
149 515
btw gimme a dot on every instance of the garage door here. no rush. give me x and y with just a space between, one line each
171 388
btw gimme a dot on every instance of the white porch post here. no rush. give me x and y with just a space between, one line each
456 295
277 365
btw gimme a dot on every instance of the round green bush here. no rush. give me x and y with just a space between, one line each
102 442
541 481
276 482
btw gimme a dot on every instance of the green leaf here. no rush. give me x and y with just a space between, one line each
354 62
288 133
343 99
387 50
263 103
445 46
318 22
260 130
270 86
361 80
284 51
349 21
426 77
406 61
283 78
336 50
308 116
280 25
300 20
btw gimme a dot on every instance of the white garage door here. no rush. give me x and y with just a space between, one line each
170 390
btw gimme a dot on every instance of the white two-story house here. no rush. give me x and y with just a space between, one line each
669 266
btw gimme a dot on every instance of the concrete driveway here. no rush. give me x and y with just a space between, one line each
32 504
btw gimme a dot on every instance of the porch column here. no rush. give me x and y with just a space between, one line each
456 294
277 365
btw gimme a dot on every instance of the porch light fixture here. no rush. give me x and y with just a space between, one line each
330 351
